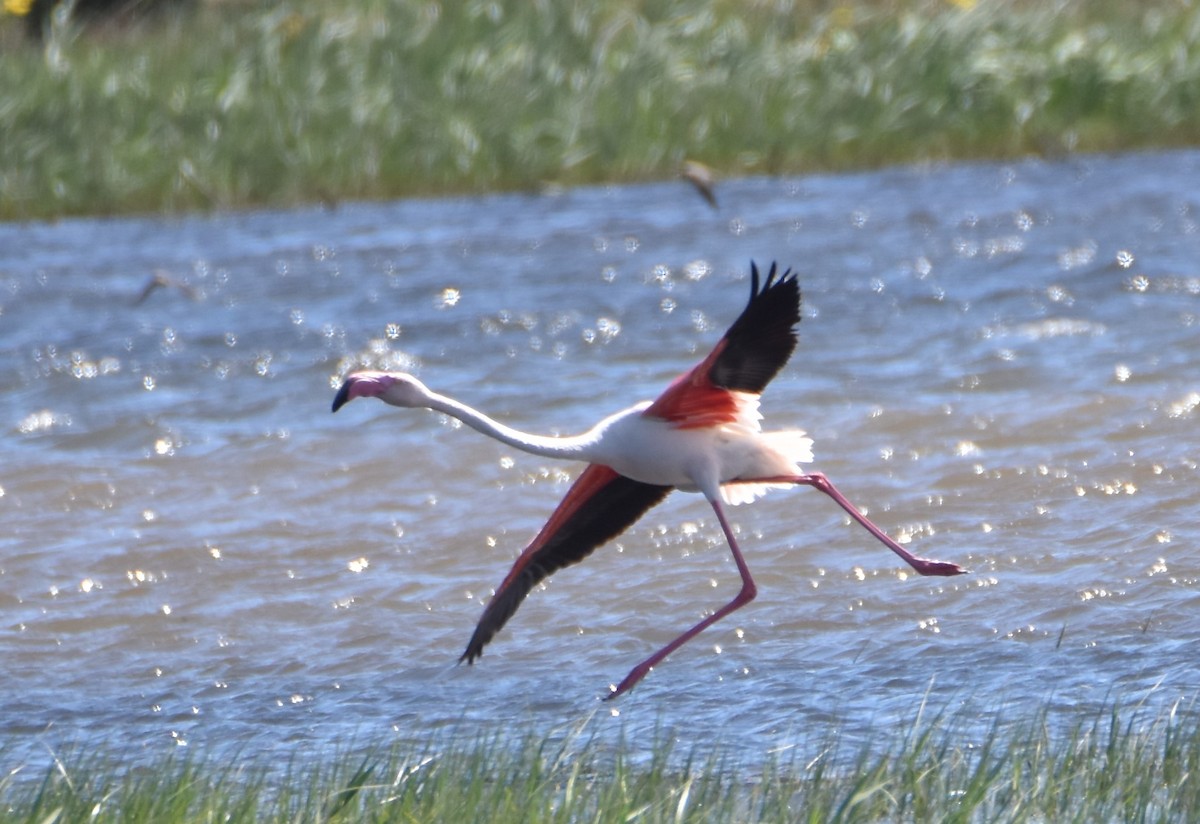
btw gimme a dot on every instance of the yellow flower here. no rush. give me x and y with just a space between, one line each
18 7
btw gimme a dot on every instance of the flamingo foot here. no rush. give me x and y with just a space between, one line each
636 674
924 566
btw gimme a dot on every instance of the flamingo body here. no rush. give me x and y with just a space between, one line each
702 434
680 454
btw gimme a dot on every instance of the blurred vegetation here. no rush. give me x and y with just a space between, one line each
1107 767
227 103
37 13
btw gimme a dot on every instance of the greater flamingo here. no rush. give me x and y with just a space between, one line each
702 435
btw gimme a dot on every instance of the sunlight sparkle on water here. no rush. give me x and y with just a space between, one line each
41 422
966 449
697 270
608 328
1030 392
1184 406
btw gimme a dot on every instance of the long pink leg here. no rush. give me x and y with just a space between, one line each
817 480
745 596
924 566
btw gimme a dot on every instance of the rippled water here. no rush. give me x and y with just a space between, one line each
999 362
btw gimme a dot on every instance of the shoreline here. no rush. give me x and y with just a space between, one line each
227 107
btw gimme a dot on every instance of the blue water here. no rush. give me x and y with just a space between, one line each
997 361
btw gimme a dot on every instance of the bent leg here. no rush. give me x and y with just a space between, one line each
745 596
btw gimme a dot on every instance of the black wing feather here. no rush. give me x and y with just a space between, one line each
611 510
761 340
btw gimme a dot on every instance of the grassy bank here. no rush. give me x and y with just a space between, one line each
240 102
1114 767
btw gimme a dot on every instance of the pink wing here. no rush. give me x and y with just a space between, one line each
599 506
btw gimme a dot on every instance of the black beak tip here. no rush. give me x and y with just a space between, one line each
342 397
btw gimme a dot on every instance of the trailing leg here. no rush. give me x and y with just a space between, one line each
745 596
817 480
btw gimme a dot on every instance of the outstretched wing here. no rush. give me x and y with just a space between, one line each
750 354
599 506
763 337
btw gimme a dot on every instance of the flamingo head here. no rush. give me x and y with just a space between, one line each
395 388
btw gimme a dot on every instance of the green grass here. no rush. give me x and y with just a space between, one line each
1111 767
247 103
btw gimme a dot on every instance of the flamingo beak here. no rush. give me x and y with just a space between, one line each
343 395
361 385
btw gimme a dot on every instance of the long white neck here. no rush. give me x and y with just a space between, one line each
572 447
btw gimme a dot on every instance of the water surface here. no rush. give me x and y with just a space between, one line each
997 361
